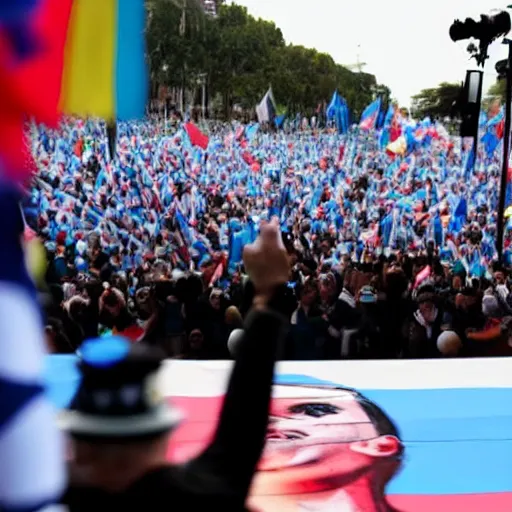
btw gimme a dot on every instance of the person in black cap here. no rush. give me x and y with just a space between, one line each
119 423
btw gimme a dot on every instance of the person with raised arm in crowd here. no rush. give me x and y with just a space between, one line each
119 426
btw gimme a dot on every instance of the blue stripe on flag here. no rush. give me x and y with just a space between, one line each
15 396
131 74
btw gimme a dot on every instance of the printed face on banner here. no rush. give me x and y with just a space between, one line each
318 439
446 446
332 449
322 442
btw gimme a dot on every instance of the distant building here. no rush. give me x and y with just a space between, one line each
210 7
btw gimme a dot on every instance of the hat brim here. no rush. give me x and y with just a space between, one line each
161 420
426 297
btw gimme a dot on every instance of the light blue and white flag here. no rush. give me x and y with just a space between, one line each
31 449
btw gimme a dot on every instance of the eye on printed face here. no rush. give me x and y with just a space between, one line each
313 427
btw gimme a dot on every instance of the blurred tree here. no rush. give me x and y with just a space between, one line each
436 102
498 90
218 3
175 41
242 56
384 92
404 112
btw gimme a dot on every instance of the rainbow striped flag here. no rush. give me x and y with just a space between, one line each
67 56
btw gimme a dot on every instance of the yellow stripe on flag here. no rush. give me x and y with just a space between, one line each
88 86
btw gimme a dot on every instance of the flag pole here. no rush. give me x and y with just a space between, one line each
506 154
165 118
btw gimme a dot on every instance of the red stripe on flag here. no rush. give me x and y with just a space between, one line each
497 502
32 87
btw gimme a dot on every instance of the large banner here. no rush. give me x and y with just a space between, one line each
403 436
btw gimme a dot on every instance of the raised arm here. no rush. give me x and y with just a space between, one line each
238 442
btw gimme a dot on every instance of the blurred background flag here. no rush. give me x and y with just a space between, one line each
338 111
196 136
266 110
279 121
370 115
494 130
385 137
398 147
251 131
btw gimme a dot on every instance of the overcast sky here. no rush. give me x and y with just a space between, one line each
404 43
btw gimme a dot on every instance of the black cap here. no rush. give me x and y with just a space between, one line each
118 396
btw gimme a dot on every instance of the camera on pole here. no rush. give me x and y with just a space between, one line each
488 29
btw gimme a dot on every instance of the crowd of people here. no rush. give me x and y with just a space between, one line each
120 445
391 256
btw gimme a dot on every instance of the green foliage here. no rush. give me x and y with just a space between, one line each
176 50
242 56
498 90
384 92
435 102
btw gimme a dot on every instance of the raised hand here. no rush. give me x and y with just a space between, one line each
266 260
